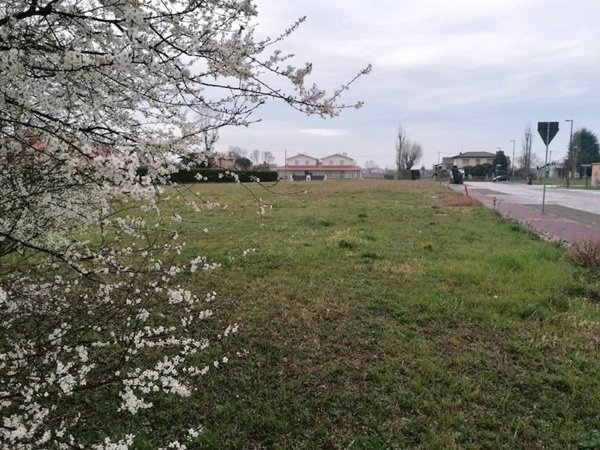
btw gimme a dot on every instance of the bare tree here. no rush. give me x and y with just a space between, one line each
267 157
525 159
255 156
402 144
407 152
413 155
372 167
237 152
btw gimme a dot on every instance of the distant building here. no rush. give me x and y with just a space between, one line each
468 159
556 169
447 163
224 162
338 166
596 174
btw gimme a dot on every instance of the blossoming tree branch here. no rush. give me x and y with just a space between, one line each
91 93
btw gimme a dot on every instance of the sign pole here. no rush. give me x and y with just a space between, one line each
545 171
547 131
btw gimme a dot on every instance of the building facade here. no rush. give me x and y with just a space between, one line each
596 174
554 169
468 159
338 166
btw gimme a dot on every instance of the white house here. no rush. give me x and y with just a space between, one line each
555 169
302 160
472 159
338 166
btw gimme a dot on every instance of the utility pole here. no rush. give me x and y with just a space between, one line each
528 152
512 162
285 174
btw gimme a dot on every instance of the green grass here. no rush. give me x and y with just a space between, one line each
579 183
376 316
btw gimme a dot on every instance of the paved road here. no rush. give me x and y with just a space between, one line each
587 200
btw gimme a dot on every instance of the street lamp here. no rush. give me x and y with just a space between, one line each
528 153
512 162
572 150
496 168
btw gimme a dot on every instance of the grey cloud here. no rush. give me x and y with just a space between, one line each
461 74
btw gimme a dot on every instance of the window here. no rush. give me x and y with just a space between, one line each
465 162
307 162
341 162
477 162
296 163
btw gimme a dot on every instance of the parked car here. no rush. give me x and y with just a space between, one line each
501 178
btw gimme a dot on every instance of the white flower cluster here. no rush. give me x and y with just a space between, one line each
72 360
122 444
203 264
248 251
100 102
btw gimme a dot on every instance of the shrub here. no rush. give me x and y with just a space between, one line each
586 253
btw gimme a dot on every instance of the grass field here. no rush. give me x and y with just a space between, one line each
388 315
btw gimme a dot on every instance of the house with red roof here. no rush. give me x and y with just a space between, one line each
338 166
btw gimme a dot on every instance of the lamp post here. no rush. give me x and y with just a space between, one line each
528 153
572 150
512 162
496 166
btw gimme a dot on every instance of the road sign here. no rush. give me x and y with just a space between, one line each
547 131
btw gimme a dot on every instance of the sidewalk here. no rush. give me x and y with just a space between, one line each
547 225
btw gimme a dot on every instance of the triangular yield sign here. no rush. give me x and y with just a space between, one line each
547 131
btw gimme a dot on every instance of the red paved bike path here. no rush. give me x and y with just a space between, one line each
547 225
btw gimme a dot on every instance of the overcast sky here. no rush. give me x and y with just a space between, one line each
459 75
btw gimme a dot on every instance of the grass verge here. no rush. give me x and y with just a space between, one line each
389 315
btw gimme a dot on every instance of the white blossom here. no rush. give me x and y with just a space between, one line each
100 102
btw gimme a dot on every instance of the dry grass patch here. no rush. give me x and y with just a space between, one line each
586 253
460 201
394 268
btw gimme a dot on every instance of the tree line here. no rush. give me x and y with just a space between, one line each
583 150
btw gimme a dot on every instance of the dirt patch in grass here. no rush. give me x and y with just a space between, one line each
395 268
460 201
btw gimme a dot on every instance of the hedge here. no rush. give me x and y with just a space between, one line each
222 176
410 175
